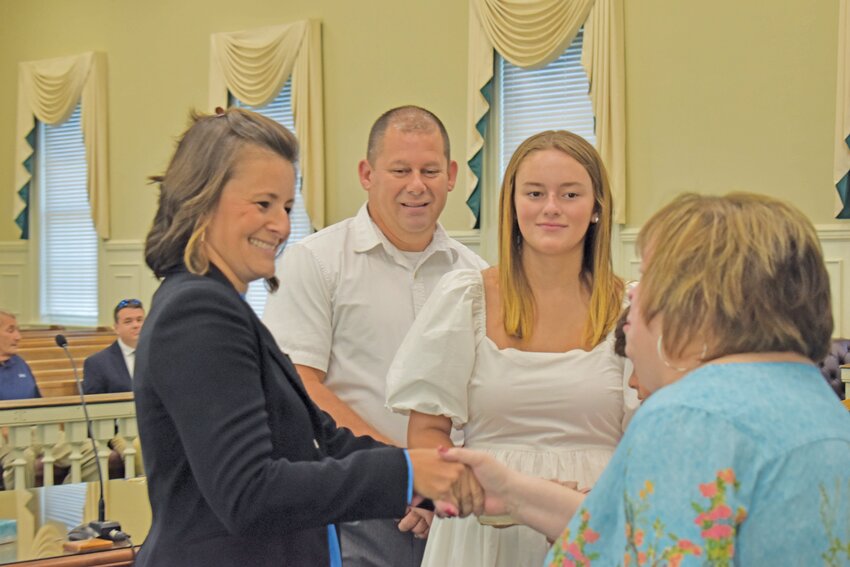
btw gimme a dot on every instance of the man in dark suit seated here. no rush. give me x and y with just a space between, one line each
111 370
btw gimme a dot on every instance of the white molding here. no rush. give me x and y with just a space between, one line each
14 246
833 231
835 267
124 245
124 274
835 242
629 234
826 233
471 237
14 274
11 291
123 269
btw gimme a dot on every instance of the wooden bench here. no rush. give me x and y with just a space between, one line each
50 366
58 388
31 354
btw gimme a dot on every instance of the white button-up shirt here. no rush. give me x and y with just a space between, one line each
347 298
129 356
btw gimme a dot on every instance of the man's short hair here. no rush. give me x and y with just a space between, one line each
9 314
407 118
124 304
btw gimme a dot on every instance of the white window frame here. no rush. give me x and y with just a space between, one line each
82 304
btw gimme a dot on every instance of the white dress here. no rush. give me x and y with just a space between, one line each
551 415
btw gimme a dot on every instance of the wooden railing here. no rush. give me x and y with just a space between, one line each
47 422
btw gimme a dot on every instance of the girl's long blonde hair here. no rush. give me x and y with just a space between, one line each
597 271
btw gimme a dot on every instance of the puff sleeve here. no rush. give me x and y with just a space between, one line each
432 368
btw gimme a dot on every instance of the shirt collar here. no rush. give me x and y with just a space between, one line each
125 350
367 236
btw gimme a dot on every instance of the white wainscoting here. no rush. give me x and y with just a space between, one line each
15 281
835 240
125 274
469 238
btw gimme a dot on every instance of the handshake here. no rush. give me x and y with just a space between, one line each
460 482
463 482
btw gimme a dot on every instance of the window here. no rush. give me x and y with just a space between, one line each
552 98
64 504
67 239
280 110
527 101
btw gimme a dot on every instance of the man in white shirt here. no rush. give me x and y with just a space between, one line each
350 292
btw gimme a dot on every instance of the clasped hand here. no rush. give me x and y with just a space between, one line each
451 485
472 482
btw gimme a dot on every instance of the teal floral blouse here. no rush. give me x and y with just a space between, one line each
735 464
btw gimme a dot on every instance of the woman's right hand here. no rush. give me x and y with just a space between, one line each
494 477
537 503
446 482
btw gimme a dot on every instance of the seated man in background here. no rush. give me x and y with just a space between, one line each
16 379
16 383
111 370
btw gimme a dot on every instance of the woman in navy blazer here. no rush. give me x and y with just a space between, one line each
243 469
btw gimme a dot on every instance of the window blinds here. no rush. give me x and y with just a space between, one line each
68 258
552 98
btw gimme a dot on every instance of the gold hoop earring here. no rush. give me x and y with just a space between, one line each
659 346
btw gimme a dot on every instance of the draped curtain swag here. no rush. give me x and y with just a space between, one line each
532 34
49 90
841 173
254 65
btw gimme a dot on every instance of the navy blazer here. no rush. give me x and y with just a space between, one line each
106 372
243 469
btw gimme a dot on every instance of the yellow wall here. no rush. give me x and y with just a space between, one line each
731 94
377 54
720 95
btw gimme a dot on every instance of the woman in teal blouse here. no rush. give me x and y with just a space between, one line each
742 453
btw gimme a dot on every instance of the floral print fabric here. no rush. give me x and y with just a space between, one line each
735 464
